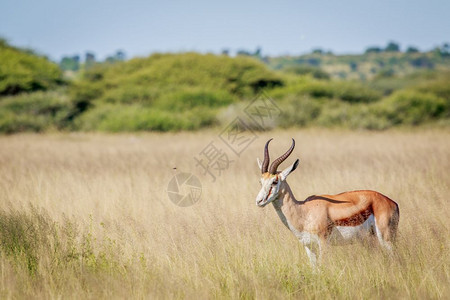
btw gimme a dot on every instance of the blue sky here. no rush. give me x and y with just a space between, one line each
59 27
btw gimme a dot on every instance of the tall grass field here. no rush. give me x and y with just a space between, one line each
88 216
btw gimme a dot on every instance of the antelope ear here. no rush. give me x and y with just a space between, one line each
284 174
259 163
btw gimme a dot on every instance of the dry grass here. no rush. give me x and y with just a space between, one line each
86 215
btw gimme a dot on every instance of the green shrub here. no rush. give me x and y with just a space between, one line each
299 111
315 72
86 91
439 87
126 95
22 71
294 87
319 89
336 113
191 98
189 91
355 92
352 92
13 123
34 112
402 108
426 81
350 105
172 72
166 91
354 116
411 107
116 118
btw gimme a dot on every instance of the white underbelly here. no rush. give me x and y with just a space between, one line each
341 235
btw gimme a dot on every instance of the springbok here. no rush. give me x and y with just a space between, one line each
326 219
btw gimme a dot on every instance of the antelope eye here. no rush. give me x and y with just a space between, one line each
275 182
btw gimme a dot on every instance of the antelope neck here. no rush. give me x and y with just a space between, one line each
288 208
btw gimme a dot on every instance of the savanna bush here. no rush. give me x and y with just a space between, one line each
189 91
166 91
352 92
411 107
315 72
24 71
194 97
439 87
172 72
34 112
117 118
125 95
300 111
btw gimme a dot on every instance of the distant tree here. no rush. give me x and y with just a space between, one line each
243 52
226 52
422 62
317 51
314 62
120 55
446 47
265 59
110 60
70 63
412 49
90 57
258 52
392 47
3 42
444 51
353 66
373 50
89 60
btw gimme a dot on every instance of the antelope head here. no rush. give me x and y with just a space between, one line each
272 181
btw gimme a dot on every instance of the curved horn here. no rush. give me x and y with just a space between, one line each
274 166
265 163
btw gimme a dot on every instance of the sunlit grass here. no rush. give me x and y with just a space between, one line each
87 215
